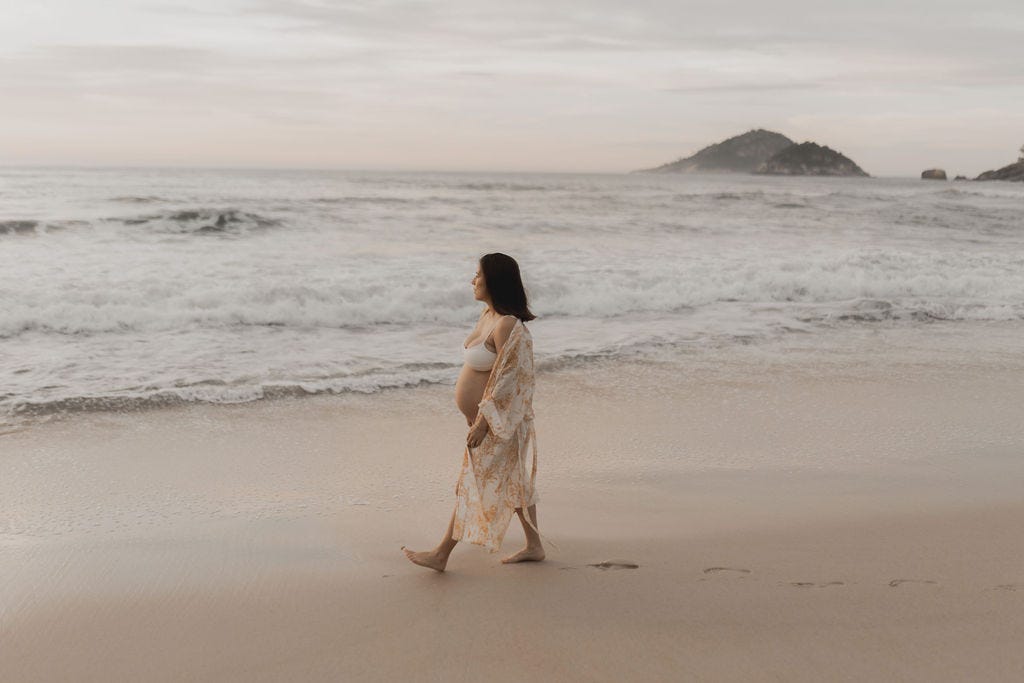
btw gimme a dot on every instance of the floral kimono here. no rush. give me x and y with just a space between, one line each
494 480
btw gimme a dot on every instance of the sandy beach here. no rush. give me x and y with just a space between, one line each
846 511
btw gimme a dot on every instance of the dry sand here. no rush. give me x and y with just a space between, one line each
794 516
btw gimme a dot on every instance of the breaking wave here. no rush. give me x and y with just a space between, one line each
202 222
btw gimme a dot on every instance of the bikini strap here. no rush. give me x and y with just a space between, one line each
495 325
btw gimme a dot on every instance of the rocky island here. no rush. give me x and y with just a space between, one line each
765 152
740 154
809 158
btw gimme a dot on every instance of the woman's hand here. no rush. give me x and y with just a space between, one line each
477 432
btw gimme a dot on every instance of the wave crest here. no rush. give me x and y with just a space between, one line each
203 222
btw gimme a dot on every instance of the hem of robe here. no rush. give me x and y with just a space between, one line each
462 531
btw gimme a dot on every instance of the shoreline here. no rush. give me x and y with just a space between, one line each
981 342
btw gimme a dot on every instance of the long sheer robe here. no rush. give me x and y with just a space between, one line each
499 475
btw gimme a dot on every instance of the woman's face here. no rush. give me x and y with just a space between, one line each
479 286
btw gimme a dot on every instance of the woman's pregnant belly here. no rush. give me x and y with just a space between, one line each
469 389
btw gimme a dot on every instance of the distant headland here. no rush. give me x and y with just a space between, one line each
764 152
1011 172
1014 171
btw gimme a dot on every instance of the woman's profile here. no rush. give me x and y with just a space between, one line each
495 393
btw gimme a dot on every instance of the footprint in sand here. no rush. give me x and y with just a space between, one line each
614 564
728 571
899 582
812 584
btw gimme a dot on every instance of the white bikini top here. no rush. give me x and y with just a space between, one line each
478 356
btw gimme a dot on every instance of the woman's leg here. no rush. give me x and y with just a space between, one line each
437 558
534 551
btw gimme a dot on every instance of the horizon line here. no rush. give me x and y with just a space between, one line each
339 169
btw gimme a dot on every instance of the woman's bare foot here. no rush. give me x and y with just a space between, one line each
527 554
427 558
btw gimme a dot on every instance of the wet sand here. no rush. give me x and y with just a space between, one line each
851 515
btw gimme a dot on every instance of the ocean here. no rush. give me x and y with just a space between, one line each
125 288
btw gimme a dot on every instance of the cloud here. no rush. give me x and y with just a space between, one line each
585 72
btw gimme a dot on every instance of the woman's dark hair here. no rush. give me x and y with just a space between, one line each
505 286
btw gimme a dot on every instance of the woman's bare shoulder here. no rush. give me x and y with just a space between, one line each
503 329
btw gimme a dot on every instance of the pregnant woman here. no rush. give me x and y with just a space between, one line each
495 393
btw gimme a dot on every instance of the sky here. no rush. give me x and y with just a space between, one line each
517 85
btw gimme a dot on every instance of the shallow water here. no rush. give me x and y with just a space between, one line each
130 287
